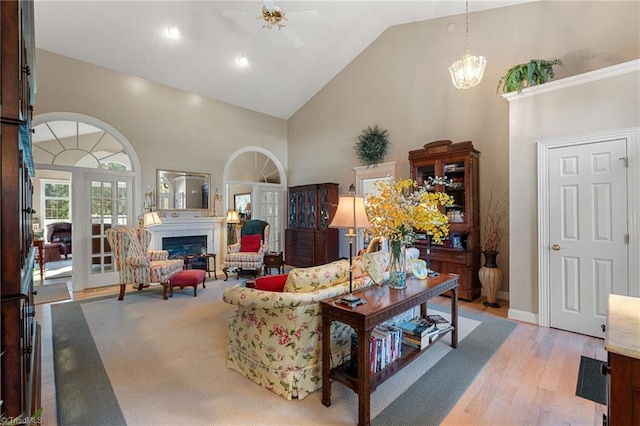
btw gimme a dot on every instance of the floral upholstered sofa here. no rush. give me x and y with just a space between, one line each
275 337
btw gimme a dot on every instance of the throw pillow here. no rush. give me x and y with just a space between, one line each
302 280
271 282
250 243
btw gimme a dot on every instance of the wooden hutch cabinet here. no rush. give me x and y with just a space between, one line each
460 253
20 341
308 239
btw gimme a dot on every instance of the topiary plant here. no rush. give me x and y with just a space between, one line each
536 71
372 145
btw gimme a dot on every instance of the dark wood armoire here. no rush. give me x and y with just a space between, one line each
460 254
308 239
20 333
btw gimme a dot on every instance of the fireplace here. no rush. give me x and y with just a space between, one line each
179 247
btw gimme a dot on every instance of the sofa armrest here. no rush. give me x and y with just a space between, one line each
233 248
158 255
137 261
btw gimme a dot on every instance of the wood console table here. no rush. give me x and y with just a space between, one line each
382 304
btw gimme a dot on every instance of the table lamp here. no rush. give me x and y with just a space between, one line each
232 219
351 214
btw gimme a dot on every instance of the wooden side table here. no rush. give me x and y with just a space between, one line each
273 260
39 244
207 268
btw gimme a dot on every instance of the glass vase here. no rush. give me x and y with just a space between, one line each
397 265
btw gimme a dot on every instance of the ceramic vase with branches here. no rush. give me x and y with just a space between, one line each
492 223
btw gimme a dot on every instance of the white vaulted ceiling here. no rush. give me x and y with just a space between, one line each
286 68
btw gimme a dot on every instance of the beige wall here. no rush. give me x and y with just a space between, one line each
168 128
401 83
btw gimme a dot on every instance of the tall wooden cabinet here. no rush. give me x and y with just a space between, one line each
308 239
460 253
20 341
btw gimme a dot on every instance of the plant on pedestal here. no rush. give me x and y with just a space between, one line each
399 210
492 222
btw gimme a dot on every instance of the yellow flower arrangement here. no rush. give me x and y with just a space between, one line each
403 207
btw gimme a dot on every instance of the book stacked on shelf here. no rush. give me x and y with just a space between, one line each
385 347
420 332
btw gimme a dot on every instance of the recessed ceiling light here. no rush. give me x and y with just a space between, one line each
173 31
242 61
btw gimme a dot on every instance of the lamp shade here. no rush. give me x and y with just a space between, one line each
232 217
351 213
151 219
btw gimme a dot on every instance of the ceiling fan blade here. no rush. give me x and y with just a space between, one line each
304 14
293 37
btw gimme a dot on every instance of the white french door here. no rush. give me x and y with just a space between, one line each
272 211
588 231
101 199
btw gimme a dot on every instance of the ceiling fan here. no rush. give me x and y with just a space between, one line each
272 17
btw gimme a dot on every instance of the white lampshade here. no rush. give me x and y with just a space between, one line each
151 219
351 213
232 217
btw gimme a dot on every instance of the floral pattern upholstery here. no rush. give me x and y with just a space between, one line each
136 264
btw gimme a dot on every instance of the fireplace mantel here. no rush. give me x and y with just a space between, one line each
185 226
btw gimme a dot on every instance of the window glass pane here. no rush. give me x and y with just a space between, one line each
106 190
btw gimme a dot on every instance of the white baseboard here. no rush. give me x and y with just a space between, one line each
523 316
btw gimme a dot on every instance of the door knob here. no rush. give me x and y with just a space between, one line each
555 247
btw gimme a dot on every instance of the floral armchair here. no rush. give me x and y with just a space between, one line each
136 264
247 254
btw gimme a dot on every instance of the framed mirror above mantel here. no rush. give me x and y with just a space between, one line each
182 190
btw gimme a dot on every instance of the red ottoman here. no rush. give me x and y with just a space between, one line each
187 277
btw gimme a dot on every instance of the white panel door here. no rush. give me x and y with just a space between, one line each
587 233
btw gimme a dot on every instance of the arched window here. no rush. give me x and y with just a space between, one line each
78 144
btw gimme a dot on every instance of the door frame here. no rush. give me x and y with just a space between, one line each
632 135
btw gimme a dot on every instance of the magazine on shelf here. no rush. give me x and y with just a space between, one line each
417 326
438 319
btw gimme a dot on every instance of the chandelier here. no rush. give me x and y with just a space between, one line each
468 71
272 17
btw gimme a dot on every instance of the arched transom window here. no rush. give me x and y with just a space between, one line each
78 144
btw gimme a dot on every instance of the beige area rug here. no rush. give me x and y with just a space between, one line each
51 293
166 361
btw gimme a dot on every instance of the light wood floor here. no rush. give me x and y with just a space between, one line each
531 380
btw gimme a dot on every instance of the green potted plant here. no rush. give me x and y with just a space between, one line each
372 145
536 71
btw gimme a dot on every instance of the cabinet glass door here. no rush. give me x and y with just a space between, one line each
454 172
424 175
